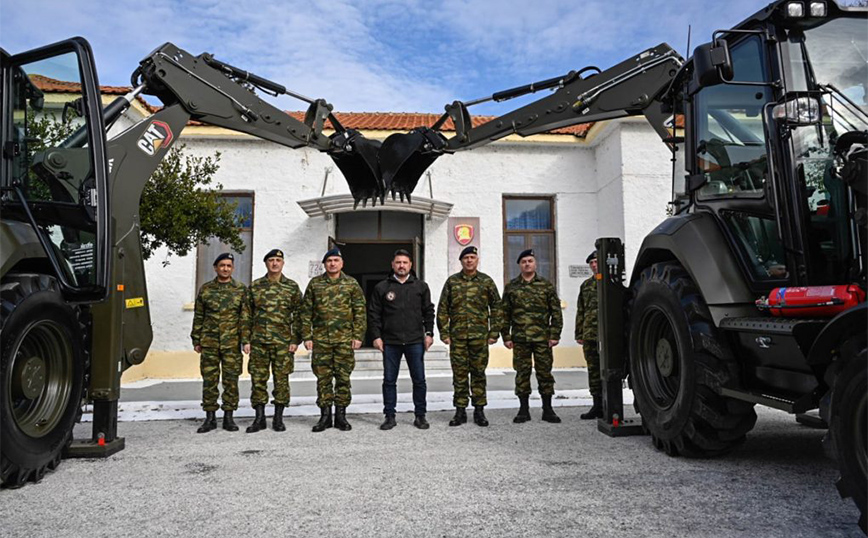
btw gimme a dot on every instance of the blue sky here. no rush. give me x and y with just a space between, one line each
376 55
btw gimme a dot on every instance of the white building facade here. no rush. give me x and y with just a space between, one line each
556 192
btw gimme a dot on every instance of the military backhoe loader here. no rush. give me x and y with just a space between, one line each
75 310
753 290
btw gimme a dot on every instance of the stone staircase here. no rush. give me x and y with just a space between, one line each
371 360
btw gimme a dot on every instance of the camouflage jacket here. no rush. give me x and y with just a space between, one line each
531 311
586 315
272 312
469 307
333 310
217 316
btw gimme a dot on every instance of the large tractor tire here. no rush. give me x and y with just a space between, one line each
41 377
848 427
677 361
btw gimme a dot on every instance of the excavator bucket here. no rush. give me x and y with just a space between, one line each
356 156
404 157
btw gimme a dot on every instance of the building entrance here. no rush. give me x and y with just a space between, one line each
368 240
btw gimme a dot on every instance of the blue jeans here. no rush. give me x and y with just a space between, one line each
414 354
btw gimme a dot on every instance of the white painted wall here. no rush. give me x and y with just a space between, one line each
619 185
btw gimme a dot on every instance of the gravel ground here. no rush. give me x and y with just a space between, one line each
534 479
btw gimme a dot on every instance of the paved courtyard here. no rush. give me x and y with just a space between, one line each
535 479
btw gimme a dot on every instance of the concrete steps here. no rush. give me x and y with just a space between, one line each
436 358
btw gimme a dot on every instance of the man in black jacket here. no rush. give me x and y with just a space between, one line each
401 320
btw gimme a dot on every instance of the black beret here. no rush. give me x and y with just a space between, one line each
332 252
525 254
225 256
591 256
468 250
273 253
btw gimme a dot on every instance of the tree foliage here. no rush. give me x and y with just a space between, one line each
181 204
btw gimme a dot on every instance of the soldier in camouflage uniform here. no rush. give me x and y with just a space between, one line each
532 323
586 336
271 332
216 336
333 323
468 318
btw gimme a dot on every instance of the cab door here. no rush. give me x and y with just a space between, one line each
731 165
54 174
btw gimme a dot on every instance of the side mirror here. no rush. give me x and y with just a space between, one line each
712 64
721 59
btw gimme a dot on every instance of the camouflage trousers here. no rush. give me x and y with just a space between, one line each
332 364
537 356
592 357
281 362
213 362
469 359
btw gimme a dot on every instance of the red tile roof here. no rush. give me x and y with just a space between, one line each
50 85
404 121
372 121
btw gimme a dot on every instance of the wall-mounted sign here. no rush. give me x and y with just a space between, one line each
464 232
315 268
580 271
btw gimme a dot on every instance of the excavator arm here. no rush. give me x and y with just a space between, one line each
635 86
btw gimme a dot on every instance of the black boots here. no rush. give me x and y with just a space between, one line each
325 419
549 413
258 421
277 421
228 422
479 416
210 422
596 411
389 423
459 418
523 410
341 419
421 423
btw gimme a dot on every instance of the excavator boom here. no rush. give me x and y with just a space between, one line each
635 86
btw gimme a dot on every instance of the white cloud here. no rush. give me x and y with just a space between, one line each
378 55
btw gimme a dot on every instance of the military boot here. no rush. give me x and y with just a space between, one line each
259 422
459 418
341 419
596 411
277 421
325 419
229 422
523 410
549 413
479 416
210 422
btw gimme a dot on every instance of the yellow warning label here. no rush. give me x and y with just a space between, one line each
135 302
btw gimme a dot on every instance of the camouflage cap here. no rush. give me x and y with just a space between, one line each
591 256
224 256
332 252
468 250
525 254
273 253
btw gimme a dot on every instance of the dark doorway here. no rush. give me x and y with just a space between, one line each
369 239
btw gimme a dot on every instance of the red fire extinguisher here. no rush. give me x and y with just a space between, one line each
811 301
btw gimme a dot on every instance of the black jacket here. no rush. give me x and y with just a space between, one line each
401 313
